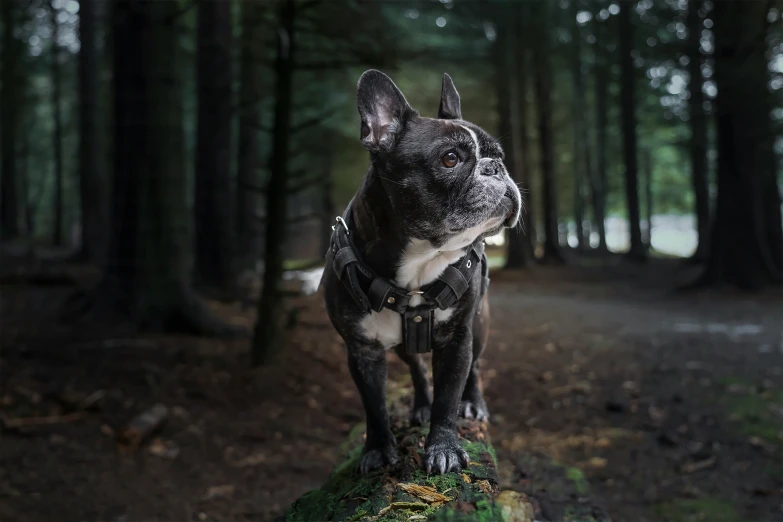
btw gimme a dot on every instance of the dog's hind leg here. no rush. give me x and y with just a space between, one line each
473 405
422 396
368 369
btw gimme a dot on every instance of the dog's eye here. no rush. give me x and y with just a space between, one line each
449 160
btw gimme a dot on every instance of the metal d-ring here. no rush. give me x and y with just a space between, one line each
415 292
341 221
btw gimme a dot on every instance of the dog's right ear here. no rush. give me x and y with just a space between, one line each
450 108
383 110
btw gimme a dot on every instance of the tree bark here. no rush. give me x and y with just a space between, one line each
10 56
543 87
214 233
249 123
57 136
698 120
628 106
268 340
511 81
746 247
94 213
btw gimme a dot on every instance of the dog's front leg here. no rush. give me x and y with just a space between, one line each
367 364
451 363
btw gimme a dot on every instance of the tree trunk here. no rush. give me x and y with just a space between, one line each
213 214
147 271
94 213
648 197
628 106
328 207
543 87
10 56
601 187
698 119
57 137
509 73
249 121
129 149
584 162
268 341
23 168
579 198
578 125
746 247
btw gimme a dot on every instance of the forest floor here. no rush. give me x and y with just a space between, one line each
660 405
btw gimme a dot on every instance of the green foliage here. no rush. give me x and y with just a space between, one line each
692 510
755 412
577 476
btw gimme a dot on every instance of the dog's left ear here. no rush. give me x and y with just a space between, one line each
383 110
450 108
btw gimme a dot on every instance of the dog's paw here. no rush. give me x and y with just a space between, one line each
474 410
377 457
420 415
446 456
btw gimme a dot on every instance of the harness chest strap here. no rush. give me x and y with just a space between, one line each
380 293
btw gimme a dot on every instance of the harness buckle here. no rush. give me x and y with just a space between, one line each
339 220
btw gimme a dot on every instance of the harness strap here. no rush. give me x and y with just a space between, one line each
380 293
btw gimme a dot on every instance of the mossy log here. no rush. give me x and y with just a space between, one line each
405 492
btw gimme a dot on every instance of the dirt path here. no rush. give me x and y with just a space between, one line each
656 405
671 405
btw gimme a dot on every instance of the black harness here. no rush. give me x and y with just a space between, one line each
374 293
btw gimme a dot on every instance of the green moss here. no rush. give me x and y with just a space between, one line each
576 476
692 510
477 449
581 514
754 412
486 511
774 469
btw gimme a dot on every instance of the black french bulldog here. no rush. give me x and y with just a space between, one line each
434 190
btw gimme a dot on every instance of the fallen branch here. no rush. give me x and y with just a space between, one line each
32 422
141 427
693 467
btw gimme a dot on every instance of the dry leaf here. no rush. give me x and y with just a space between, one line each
426 493
224 491
484 486
165 450
466 478
598 462
414 506
250 460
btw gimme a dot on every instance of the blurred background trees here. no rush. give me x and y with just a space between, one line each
178 144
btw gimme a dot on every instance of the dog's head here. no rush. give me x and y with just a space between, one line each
444 176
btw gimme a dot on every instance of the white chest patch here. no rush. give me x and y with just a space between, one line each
384 326
420 264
